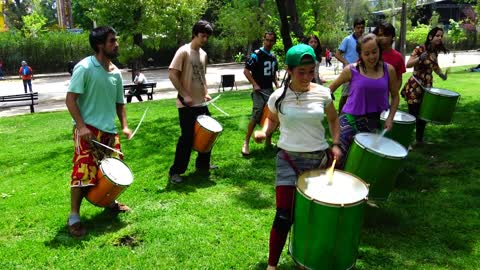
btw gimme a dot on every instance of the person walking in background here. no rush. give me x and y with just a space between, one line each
187 74
2 74
347 54
299 110
314 42
261 71
94 97
328 57
386 36
424 60
371 81
26 74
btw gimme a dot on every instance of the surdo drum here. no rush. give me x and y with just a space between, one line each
327 220
402 128
438 105
378 161
113 178
206 131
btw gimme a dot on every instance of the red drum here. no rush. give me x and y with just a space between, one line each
205 133
113 177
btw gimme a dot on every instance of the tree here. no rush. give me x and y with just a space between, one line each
456 35
33 24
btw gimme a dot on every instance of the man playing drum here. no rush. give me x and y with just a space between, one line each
261 71
299 109
187 74
94 97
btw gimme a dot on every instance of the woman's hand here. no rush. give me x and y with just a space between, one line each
388 124
337 152
259 136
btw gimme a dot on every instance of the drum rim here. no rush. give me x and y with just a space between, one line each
200 124
337 205
397 121
304 266
429 90
378 153
110 180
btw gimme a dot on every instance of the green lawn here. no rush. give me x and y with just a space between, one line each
431 220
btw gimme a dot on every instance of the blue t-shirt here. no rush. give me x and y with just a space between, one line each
99 93
349 49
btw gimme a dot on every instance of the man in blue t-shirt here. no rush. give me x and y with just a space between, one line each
95 96
347 54
261 71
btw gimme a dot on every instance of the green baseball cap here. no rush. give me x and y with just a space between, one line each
297 52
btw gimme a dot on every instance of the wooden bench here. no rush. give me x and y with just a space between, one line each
29 99
147 89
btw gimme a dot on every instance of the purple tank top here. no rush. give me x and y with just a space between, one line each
367 95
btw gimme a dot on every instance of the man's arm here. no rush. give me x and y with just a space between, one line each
71 102
122 116
174 76
248 75
339 56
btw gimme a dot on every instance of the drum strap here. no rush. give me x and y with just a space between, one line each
290 161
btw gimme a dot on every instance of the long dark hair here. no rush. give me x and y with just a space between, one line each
278 103
318 50
428 42
362 40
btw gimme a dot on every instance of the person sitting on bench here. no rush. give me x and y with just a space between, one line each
138 89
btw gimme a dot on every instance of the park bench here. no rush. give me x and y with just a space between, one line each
147 89
29 99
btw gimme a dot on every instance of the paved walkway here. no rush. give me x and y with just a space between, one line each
52 87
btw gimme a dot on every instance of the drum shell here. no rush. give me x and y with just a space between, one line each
325 236
106 191
380 171
437 108
264 115
401 132
203 138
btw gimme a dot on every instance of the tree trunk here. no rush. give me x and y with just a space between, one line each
293 16
284 27
403 29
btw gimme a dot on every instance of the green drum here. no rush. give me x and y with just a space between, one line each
378 161
328 220
438 105
402 128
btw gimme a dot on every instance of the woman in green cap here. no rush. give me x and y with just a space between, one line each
299 109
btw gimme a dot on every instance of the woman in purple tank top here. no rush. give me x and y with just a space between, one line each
371 81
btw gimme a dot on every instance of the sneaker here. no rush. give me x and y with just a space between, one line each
77 230
175 179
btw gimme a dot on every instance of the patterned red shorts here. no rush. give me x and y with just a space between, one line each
84 172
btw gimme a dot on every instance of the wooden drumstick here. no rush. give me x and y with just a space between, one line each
139 123
330 172
108 147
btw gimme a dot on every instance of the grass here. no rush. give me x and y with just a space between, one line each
222 221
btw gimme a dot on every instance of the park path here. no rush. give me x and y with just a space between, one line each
52 87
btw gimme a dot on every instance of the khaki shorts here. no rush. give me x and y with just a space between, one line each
259 101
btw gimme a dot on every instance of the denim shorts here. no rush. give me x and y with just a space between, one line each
259 101
287 175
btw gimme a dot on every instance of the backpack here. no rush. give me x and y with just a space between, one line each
26 71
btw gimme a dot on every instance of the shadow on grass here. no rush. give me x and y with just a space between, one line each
432 210
100 224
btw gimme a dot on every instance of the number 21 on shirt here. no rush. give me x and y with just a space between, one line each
268 68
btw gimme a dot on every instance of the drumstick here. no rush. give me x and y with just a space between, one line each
216 107
419 83
108 147
139 123
267 95
206 103
330 172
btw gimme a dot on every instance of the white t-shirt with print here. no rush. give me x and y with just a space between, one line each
301 127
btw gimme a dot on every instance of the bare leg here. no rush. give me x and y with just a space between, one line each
246 143
76 196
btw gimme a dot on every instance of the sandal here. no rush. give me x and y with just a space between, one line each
119 208
77 230
245 150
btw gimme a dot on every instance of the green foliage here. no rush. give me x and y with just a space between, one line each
418 35
239 57
434 19
47 53
456 34
14 11
33 24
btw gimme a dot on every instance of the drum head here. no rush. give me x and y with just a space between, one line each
117 171
442 92
209 123
381 145
345 188
400 117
